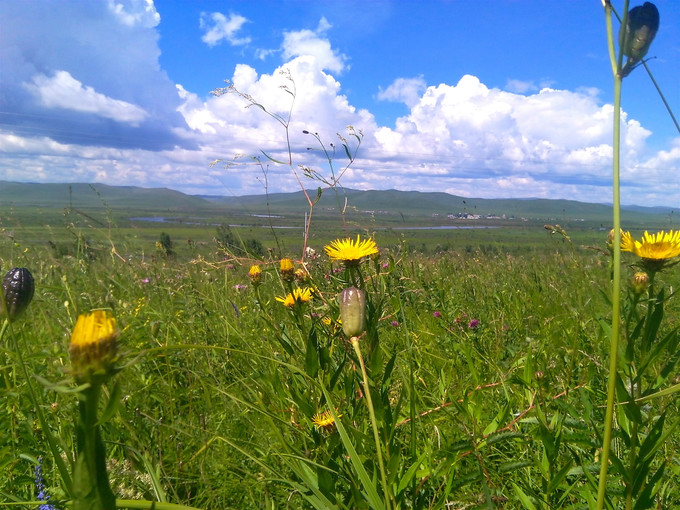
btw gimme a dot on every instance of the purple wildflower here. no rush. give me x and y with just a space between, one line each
473 323
437 314
239 286
40 487
145 280
395 323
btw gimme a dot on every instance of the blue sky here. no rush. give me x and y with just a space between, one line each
503 98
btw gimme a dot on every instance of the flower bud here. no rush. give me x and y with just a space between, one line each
94 347
636 36
17 288
301 275
353 311
640 282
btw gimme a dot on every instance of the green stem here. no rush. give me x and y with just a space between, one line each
663 98
374 423
91 484
616 284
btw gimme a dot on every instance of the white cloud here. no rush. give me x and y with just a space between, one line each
520 87
218 27
464 138
99 61
312 43
404 90
477 141
135 12
63 91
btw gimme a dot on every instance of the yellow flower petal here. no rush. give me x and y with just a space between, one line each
351 252
660 246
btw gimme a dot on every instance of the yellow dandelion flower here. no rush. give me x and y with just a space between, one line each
324 421
255 274
287 269
297 296
655 250
94 346
351 252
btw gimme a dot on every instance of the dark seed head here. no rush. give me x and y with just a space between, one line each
17 289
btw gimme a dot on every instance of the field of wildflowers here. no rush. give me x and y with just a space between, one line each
351 375
455 380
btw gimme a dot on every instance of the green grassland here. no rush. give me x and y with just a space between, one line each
486 351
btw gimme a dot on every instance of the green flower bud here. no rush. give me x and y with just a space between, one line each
353 311
17 289
640 282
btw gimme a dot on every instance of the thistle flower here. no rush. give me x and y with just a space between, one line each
655 250
351 252
94 347
297 296
17 289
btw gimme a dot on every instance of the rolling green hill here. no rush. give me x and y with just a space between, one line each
419 204
391 205
87 196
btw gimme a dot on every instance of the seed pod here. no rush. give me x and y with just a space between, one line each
353 311
17 288
636 36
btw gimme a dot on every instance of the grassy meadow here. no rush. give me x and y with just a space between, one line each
484 353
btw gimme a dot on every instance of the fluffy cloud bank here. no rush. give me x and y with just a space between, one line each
68 116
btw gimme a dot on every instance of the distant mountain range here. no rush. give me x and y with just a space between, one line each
377 203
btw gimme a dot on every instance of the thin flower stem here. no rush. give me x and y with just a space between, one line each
663 98
616 284
376 436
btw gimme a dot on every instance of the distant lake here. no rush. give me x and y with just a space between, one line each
447 227
192 221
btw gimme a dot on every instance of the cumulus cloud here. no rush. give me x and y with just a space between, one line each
135 12
68 116
313 43
93 78
404 90
474 140
63 91
218 27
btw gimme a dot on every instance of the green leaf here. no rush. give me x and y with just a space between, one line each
523 498
312 354
349 156
112 405
410 473
272 159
